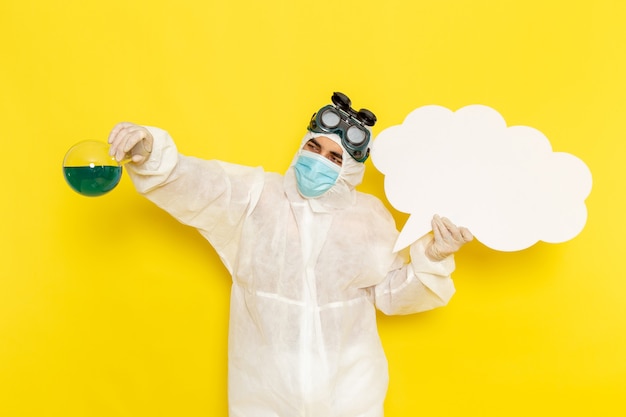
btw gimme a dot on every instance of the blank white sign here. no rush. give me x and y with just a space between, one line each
504 183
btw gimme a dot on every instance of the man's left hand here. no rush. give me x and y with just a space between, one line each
448 238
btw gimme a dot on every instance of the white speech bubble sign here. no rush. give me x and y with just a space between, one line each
504 183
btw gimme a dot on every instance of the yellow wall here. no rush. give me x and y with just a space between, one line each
110 308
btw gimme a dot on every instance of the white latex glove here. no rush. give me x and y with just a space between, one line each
448 238
130 141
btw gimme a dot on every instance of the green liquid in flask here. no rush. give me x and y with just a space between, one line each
93 181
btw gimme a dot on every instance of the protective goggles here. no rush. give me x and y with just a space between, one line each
350 125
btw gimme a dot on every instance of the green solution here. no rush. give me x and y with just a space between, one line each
93 181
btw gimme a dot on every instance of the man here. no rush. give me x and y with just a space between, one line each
311 260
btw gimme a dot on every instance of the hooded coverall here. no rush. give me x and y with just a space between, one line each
307 278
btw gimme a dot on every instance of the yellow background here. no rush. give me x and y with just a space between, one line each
108 307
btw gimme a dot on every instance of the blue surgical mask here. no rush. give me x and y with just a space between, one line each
315 174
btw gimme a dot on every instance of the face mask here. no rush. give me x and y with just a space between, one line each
315 174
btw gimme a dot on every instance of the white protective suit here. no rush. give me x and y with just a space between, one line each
308 275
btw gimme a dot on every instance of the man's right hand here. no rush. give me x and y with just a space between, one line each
130 141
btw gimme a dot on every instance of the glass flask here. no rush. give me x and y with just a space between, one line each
90 170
